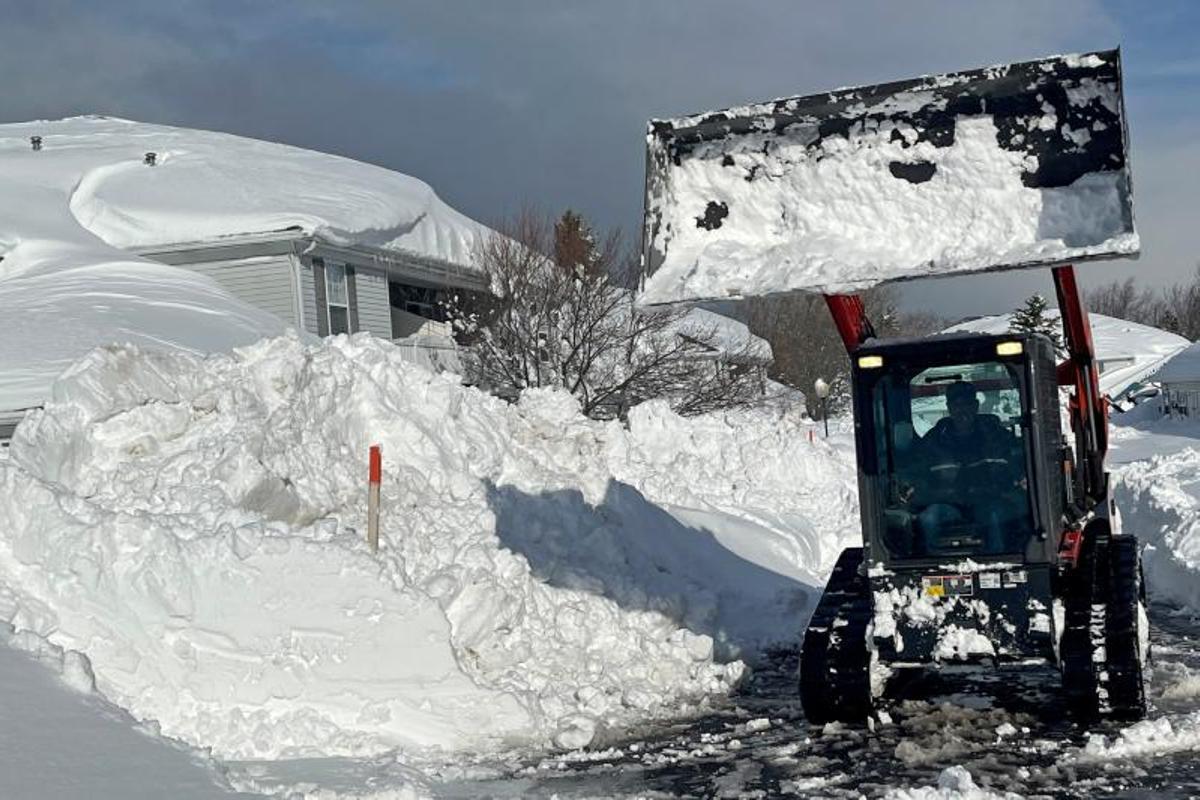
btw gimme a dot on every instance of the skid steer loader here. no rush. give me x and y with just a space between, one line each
989 536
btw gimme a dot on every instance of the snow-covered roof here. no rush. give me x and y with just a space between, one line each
206 185
727 336
70 212
1182 367
1127 351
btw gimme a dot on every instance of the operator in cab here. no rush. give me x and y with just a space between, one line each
975 472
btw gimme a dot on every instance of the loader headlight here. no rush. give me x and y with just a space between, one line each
870 362
1010 349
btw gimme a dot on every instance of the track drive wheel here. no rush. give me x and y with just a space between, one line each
1126 641
835 663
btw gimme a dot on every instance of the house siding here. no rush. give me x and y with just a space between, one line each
374 311
308 297
265 282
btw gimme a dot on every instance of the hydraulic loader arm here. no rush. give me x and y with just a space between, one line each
850 317
1088 408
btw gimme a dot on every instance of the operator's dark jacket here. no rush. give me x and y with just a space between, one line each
989 445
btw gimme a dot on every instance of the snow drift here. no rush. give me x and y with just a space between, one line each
194 527
1160 503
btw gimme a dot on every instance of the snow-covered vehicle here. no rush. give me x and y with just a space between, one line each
988 536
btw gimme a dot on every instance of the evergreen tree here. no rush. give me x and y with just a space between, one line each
1032 318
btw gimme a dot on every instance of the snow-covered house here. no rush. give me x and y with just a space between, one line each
121 231
326 288
1180 381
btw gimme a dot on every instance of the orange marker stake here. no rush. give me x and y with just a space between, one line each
375 477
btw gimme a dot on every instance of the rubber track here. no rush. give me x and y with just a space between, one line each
1080 672
1126 693
835 681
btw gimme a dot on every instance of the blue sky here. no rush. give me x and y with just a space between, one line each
502 103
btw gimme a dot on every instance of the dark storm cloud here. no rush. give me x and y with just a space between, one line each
497 104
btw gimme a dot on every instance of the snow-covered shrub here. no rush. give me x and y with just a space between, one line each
563 316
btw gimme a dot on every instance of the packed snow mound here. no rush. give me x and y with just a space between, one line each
206 184
1128 351
194 527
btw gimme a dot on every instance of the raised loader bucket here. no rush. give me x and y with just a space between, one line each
1022 165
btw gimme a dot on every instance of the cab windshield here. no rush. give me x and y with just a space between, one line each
951 456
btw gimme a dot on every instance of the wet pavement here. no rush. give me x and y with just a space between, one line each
1009 728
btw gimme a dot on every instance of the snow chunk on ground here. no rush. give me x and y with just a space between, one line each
954 783
195 528
1150 737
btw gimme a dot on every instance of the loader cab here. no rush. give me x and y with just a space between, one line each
959 449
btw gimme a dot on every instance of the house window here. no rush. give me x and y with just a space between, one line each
423 301
337 298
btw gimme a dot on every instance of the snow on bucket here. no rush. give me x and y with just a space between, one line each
1020 165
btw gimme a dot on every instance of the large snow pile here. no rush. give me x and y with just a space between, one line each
68 209
1128 352
194 527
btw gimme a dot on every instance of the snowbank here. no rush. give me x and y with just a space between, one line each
1128 352
194 527
1160 502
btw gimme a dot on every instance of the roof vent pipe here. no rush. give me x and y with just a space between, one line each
150 158
36 141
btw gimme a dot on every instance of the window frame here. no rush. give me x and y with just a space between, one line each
330 266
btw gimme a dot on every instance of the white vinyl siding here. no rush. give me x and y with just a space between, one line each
308 298
374 313
1181 398
265 282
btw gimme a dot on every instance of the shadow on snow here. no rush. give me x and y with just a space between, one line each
640 556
